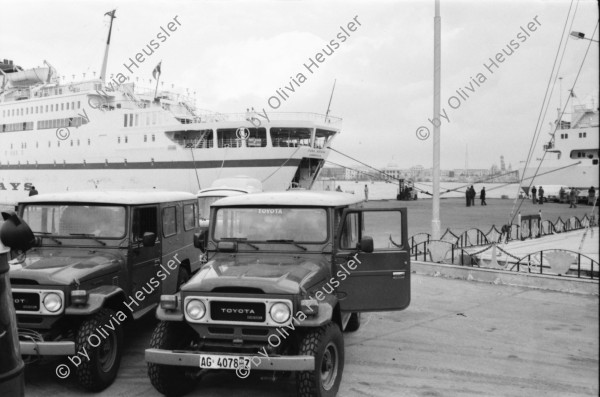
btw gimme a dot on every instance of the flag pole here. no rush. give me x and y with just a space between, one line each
112 16
158 78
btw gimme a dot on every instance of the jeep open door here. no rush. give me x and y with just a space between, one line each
377 280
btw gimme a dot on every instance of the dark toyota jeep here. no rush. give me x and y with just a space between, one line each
286 274
100 260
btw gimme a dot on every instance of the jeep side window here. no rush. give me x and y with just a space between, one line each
169 221
144 220
189 217
385 227
350 238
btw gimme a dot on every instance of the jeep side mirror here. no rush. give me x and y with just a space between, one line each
149 239
366 244
200 240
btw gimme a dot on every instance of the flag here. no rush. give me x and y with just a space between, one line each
156 72
573 94
111 13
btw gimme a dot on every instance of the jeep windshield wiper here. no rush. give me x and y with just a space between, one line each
241 240
96 239
57 241
288 242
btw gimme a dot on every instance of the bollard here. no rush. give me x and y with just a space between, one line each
11 365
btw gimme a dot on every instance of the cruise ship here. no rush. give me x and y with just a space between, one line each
571 155
60 136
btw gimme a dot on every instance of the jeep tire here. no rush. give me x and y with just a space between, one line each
101 369
167 379
326 345
353 323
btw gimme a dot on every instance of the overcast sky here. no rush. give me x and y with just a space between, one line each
236 54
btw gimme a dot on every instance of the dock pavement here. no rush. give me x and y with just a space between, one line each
457 338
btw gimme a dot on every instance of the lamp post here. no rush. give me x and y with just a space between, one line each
435 215
579 35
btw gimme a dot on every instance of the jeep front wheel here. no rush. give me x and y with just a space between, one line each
326 345
171 380
104 350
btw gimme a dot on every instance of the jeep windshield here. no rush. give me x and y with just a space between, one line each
272 225
76 220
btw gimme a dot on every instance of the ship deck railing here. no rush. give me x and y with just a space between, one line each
517 247
258 118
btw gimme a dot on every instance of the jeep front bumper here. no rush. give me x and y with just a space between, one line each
47 348
270 363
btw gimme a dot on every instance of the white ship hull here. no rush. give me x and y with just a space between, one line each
152 149
15 187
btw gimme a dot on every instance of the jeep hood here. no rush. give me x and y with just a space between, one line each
280 275
64 266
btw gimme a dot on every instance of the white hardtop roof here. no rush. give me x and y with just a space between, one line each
291 198
127 197
240 183
221 192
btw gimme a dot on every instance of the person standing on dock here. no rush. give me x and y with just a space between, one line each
591 195
541 193
482 196
468 197
366 193
533 196
472 194
573 198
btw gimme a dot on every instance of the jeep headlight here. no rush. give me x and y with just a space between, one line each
195 309
280 312
52 302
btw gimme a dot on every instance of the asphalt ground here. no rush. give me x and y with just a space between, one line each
457 338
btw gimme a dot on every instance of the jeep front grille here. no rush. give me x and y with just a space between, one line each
26 301
236 311
248 312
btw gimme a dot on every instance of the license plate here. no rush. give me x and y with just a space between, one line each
223 362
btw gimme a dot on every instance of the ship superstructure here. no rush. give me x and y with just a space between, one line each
571 155
83 135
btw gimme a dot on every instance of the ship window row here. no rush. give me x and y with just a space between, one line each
147 118
583 154
53 107
582 134
564 136
24 126
58 123
252 137
125 138
72 142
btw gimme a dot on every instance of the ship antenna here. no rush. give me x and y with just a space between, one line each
330 98
112 16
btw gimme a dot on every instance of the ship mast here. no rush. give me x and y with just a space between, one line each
112 16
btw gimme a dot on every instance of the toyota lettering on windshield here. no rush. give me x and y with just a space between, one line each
268 224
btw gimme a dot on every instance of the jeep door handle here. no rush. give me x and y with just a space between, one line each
398 275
